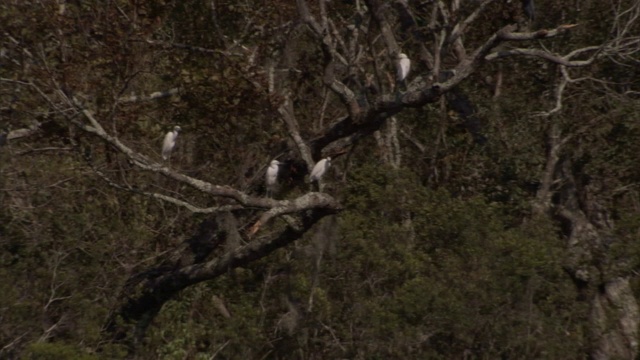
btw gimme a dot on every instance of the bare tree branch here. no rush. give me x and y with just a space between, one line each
328 47
306 202
287 115
542 204
561 60
193 208
559 91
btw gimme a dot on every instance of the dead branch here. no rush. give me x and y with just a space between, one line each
193 208
561 60
559 91
305 202
542 204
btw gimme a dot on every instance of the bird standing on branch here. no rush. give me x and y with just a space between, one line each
170 142
319 170
271 177
403 67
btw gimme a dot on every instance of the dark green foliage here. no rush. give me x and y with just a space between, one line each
449 281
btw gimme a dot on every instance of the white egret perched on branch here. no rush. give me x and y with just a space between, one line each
319 170
271 178
170 142
403 66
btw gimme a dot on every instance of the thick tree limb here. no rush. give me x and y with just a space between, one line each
145 295
308 201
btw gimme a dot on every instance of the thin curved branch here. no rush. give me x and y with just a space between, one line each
533 35
166 198
564 80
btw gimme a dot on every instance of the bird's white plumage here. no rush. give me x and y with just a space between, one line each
404 65
170 142
320 169
272 172
271 177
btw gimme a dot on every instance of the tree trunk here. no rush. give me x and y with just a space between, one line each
614 321
614 314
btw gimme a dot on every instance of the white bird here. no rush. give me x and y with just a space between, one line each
170 142
403 65
271 178
319 169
